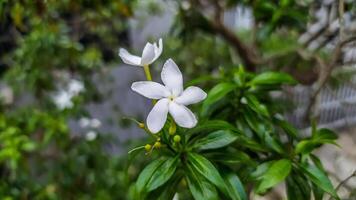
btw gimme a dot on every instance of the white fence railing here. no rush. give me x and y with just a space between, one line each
336 107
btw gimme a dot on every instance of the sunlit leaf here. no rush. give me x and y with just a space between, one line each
275 174
271 78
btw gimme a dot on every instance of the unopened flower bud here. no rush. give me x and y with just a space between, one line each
157 144
141 125
148 147
172 129
176 138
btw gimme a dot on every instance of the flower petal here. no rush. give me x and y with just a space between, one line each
158 50
148 54
150 89
129 58
191 95
182 115
158 116
172 77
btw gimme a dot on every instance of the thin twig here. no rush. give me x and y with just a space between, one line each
325 72
343 182
246 53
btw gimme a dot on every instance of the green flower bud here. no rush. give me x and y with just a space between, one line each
148 147
177 138
157 145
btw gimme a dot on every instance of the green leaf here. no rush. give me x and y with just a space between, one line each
147 173
235 188
325 135
306 146
298 188
271 78
209 126
260 170
163 173
240 76
263 131
319 178
247 142
215 140
275 174
255 105
156 174
255 123
167 191
215 94
199 186
318 193
207 169
231 157
288 128
319 137
200 80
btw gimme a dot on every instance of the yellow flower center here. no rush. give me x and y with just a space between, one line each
171 98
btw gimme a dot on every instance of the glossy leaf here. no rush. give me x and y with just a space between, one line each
210 126
163 173
230 157
147 173
298 188
319 178
261 170
215 94
271 78
255 105
288 128
319 137
235 188
216 140
200 187
156 174
207 169
249 143
263 131
275 174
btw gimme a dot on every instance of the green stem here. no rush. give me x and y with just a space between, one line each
147 72
148 77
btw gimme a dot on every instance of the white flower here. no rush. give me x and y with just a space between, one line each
63 99
176 196
84 122
91 135
6 95
149 54
95 123
75 87
171 97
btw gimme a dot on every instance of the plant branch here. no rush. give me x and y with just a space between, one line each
246 53
325 70
343 182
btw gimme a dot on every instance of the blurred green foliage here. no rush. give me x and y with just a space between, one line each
42 41
42 37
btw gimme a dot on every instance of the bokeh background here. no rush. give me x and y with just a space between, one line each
66 106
